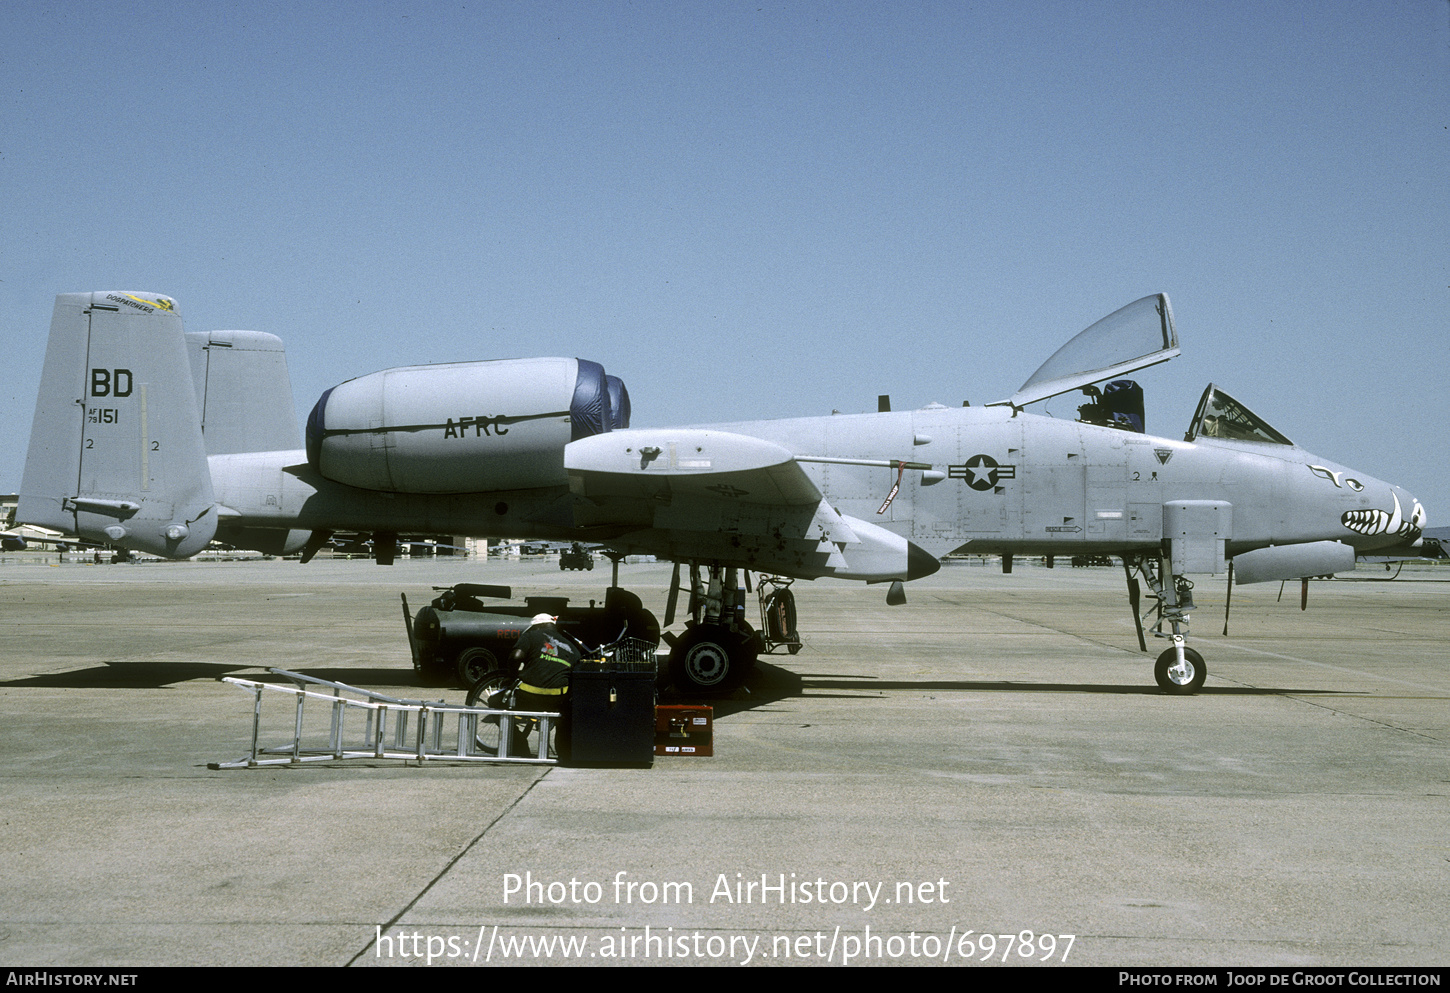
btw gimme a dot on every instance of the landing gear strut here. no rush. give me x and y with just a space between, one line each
719 648
1179 670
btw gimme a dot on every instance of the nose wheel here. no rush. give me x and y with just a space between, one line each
1178 678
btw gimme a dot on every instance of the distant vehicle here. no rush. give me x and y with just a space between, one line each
576 557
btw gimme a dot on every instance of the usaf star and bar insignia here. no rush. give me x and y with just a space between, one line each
981 472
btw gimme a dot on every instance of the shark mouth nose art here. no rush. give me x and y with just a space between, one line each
1371 522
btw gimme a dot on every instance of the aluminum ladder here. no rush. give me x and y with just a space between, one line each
361 724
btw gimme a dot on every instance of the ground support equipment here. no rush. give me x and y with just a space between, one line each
361 724
612 706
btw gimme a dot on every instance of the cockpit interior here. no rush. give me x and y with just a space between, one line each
1221 416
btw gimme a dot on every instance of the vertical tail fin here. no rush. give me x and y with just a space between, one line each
243 392
116 451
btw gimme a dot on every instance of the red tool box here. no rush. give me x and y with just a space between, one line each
684 730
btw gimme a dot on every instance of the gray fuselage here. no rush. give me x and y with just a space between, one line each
1000 482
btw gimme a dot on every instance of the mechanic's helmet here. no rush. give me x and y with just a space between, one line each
542 619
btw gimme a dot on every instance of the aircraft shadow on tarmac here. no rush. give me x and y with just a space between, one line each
129 675
156 675
768 684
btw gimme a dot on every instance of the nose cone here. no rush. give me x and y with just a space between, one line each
1401 520
1418 516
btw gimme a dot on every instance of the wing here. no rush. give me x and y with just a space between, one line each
695 494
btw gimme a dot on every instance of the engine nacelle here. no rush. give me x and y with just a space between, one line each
463 427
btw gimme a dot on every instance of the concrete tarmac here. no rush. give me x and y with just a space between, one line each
986 771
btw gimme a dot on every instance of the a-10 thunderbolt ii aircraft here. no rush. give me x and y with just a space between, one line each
156 440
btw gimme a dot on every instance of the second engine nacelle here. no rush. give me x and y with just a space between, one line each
463 427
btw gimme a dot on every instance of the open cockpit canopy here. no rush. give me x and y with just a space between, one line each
1221 416
1134 337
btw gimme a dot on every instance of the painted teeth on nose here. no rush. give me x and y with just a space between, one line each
1366 521
1382 521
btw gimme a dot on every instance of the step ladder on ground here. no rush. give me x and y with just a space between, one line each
361 724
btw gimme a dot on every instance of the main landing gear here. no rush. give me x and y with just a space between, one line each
1179 670
718 648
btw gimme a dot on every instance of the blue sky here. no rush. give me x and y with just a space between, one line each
761 209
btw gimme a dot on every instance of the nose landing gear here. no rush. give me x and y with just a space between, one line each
1179 670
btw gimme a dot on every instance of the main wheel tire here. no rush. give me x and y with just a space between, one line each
473 664
710 659
1180 682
